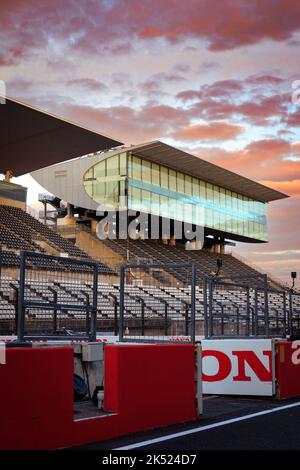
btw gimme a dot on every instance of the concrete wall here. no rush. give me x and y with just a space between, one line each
97 250
65 180
13 195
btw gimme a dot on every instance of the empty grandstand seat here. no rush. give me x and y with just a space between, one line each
20 231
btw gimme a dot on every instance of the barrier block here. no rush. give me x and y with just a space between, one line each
146 386
288 369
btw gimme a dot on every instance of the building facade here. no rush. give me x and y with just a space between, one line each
159 180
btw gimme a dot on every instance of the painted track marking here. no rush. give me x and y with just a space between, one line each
206 428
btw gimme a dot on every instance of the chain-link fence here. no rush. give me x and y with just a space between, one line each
156 305
57 298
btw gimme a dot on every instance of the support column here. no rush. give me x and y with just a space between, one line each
70 211
45 213
69 220
8 176
218 248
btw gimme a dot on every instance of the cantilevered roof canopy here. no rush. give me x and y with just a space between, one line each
31 139
164 154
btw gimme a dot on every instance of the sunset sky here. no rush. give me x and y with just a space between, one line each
212 77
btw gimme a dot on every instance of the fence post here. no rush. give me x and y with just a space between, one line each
142 303
255 322
95 304
222 320
1 254
21 311
89 318
205 307
248 311
16 305
210 306
285 319
122 292
115 305
193 303
266 301
186 318
237 320
166 317
290 313
143 316
55 309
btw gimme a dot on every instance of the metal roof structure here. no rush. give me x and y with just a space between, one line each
31 139
174 158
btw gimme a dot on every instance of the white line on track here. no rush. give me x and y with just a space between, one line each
206 428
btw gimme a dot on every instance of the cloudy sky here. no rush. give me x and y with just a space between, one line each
218 79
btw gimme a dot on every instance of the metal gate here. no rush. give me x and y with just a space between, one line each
157 302
57 298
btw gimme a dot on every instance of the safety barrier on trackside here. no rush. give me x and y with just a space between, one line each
238 367
288 369
146 386
258 367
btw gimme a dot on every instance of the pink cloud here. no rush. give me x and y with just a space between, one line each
87 83
260 160
288 187
242 24
114 28
212 131
130 125
255 100
281 255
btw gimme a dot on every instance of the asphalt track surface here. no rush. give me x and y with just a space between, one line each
228 423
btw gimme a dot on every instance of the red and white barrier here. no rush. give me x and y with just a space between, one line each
288 369
257 367
238 367
146 386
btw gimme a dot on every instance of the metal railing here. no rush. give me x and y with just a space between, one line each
57 296
48 308
151 312
243 306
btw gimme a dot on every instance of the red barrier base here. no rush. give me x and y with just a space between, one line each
288 369
146 386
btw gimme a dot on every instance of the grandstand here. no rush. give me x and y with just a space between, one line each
155 298
156 252
155 182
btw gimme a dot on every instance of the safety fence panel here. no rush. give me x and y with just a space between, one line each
157 302
294 313
57 297
278 313
287 369
244 306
